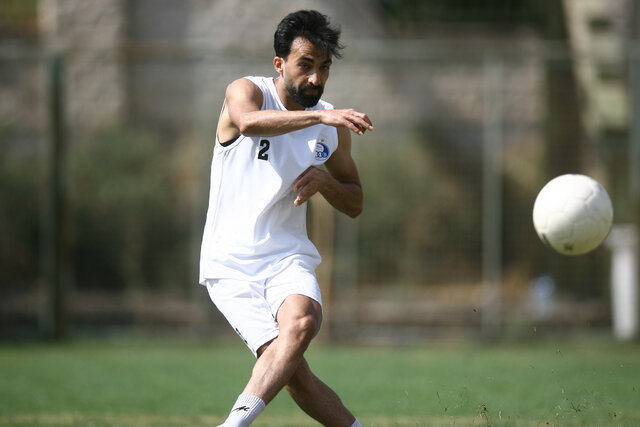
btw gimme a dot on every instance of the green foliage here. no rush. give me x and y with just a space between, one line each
414 229
127 219
18 18
129 216
411 13
20 203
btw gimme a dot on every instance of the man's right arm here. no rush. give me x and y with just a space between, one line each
244 102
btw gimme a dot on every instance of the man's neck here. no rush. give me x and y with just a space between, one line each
284 96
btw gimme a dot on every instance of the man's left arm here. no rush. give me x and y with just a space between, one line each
340 186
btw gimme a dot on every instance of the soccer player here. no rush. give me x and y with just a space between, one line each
257 261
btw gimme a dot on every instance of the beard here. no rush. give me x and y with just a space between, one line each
303 99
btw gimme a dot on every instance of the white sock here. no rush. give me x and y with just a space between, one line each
356 423
245 410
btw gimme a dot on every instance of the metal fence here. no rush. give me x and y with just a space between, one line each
104 183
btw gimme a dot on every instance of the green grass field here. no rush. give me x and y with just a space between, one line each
178 384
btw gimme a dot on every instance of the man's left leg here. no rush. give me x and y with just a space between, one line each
318 400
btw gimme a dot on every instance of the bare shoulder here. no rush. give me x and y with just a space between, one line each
243 88
241 96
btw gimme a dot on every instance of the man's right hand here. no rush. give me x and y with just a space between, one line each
349 118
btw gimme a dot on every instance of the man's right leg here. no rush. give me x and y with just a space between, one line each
243 305
299 319
318 400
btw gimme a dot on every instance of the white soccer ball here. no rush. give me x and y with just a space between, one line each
573 214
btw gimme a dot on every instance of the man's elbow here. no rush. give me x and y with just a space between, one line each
245 127
356 206
355 211
248 126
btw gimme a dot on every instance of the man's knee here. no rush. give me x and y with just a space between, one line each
302 328
299 318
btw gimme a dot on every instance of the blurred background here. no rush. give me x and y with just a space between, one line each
108 111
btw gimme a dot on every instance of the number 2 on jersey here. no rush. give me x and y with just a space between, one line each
264 147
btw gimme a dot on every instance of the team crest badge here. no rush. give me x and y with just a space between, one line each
322 151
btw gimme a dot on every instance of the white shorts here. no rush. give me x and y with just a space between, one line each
251 307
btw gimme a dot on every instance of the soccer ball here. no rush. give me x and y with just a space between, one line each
572 214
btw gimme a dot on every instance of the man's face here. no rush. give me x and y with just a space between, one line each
305 71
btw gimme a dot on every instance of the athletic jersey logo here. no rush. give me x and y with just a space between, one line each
322 151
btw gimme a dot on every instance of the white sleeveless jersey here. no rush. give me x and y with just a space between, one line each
252 225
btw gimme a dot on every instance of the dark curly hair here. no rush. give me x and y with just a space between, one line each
310 25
